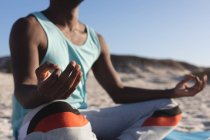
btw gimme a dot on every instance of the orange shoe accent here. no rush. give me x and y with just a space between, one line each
60 120
163 121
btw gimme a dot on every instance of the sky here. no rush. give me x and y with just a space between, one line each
162 29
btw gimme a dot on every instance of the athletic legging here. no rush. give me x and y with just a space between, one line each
150 120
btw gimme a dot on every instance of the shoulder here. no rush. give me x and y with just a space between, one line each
103 44
25 24
26 28
100 37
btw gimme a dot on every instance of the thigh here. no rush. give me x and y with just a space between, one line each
109 123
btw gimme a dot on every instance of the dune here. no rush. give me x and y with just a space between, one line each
134 71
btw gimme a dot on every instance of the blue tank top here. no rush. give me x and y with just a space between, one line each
61 51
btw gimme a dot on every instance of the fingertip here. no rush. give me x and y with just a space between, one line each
205 77
198 79
57 67
80 74
73 63
78 67
187 78
190 75
57 72
48 64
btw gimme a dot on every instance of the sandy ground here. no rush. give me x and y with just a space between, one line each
6 90
196 110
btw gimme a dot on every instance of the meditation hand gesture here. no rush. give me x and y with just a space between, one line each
183 89
57 85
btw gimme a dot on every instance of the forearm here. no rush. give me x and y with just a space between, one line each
132 95
29 97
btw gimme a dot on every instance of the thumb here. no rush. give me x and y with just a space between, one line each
185 80
43 71
205 78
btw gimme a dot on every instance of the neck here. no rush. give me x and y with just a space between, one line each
63 15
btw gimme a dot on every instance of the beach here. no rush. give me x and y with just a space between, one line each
196 110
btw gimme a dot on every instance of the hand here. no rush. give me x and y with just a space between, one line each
183 89
57 85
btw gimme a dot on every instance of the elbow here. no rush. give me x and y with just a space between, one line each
116 95
117 101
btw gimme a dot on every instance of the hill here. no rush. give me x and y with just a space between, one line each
134 64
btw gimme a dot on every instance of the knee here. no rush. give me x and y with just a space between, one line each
167 117
56 120
55 116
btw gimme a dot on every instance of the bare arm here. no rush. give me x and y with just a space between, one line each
24 52
31 90
110 81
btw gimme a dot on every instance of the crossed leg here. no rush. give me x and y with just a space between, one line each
56 121
150 120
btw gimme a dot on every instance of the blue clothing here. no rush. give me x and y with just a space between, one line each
178 135
61 51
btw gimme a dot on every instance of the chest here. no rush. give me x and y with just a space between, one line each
61 51
77 37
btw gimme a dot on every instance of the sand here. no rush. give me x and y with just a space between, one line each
6 90
196 110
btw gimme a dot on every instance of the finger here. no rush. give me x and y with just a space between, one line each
45 67
73 87
64 84
190 77
42 70
53 77
68 80
186 79
52 83
200 83
204 81
76 82
64 76
196 87
72 78
48 83
74 75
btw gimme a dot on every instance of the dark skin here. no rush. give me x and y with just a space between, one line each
37 84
